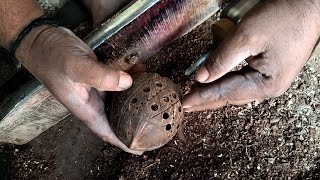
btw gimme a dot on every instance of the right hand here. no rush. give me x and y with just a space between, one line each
276 39
72 73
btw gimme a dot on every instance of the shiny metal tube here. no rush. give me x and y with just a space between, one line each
238 8
109 28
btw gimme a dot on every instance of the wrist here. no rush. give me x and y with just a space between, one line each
28 45
14 22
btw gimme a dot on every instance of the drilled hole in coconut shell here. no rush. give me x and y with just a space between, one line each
134 100
165 116
159 84
155 103
154 107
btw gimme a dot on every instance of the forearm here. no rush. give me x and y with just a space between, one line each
310 10
316 9
15 15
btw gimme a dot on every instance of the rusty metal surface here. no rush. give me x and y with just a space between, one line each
148 115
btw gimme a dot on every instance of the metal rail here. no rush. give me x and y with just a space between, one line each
109 28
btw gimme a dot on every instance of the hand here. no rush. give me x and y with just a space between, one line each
71 72
275 39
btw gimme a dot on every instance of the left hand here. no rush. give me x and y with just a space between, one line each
275 39
70 70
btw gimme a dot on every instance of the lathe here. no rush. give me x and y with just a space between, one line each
137 32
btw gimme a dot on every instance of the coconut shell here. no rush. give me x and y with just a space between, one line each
147 116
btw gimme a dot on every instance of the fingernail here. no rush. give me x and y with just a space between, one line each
202 74
125 81
186 107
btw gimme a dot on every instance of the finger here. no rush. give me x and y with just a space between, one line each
236 88
100 125
102 77
94 115
231 52
102 129
84 67
114 140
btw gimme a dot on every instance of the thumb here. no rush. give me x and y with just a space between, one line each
101 76
236 88
231 52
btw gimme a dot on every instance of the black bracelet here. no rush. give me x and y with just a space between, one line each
35 23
